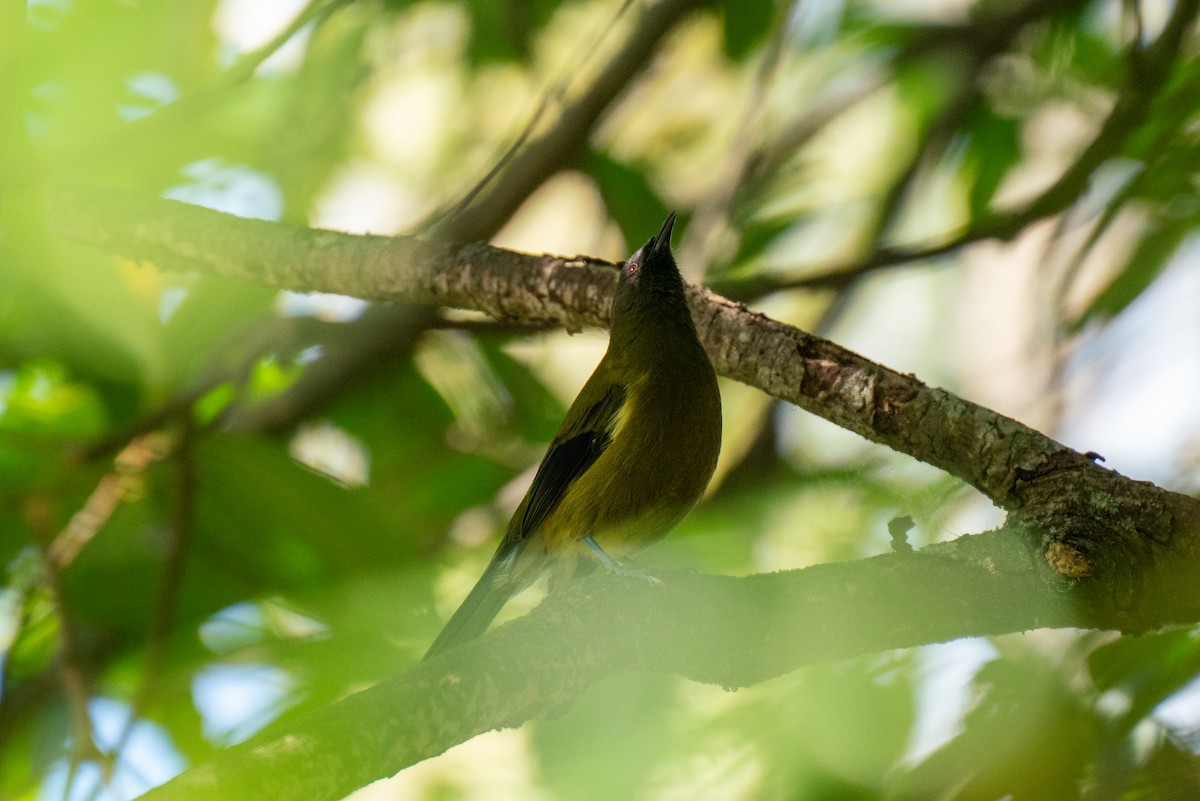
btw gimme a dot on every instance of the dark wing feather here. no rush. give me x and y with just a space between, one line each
572 452
576 448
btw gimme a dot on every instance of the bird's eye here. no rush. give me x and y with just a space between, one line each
631 269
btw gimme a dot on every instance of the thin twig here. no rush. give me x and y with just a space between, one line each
167 600
1147 74
1140 90
565 141
100 505
711 221
38 517
556 91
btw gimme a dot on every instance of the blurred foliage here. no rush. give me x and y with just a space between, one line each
152 548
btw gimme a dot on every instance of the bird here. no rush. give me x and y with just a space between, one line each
633 454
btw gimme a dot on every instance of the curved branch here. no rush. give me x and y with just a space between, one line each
1095 523
985 449
735 632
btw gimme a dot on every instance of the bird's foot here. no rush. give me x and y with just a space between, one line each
617 567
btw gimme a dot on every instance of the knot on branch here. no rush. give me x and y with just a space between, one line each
1099 531
1067 561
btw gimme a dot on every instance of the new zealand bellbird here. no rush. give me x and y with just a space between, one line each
633 455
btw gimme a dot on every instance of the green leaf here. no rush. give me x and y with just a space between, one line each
504 30
1149 258
626 721
219 326
305 527
81 309
36 643
629 197
419 481
534 412
993 149
760 234
44 401
746 23
831 727
1148 668
1029 735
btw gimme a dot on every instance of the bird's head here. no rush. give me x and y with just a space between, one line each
650 284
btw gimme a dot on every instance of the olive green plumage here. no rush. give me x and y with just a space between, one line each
633 455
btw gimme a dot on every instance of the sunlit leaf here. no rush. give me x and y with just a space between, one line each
504 30
628 196
1156 248
1147 669
993 148
44 401
1028 736
745 24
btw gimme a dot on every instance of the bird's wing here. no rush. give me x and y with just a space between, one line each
586 432
578 445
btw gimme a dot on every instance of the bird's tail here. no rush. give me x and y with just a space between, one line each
483 603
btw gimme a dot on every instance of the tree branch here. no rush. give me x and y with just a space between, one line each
985 449
1095 524
734 632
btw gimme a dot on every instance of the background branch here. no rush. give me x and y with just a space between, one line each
1148 75
383 334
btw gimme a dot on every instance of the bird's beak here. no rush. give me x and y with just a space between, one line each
662 240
